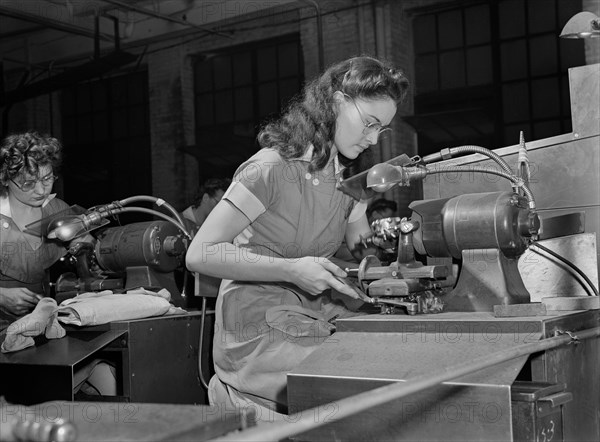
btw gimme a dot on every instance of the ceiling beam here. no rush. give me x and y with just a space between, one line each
51 23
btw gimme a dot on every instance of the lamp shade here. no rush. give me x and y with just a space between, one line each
582 25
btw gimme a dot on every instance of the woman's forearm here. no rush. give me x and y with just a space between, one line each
228 261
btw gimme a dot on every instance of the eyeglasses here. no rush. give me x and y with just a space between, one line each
29 185
370 127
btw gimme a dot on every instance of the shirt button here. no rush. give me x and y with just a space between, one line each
308 176
316 181
5 225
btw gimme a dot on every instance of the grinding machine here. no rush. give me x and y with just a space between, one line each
481 269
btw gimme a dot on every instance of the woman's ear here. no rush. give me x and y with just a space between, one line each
338 99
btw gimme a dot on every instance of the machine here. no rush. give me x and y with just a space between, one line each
103 257
485 232
469 253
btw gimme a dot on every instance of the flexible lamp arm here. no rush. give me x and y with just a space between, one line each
152 212
384 176
65 229
117 206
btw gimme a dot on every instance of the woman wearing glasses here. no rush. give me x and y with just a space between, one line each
271 236
28 164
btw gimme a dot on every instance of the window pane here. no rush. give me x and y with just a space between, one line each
222 69
515 102
452 70
572 53
565 95
136 89
118 89
83 98
243 104
119 123
287 89
223 107
266 63
137 121
542 16
477 24
566 10
513 60
546 129
204 109
242 69
479 65
203 75
542 55
511 18
451 30
101 129
267 99
99 95
545 98
425 34
288 59
426 73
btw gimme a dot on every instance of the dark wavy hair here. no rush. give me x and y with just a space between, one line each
311 116
211 186
26 153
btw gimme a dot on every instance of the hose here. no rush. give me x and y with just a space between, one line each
518 182
568 263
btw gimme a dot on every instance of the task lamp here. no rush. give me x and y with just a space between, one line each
582 25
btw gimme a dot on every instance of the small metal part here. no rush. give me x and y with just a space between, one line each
412 308
574 338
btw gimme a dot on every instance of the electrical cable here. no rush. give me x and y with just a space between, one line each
571 265
201 344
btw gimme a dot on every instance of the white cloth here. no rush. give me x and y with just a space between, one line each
101 308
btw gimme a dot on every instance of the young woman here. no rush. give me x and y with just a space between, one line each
283 216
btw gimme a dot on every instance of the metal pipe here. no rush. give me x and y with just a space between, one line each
145 11
304 421
319 33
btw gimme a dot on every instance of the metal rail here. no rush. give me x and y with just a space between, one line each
304 421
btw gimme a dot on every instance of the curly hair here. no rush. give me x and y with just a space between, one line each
310 117
26 153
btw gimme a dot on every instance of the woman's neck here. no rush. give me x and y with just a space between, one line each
22 211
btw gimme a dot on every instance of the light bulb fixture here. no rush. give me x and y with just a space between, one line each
582 25
69 227
383 176
76 221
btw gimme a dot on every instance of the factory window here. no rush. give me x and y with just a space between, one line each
106 138
235 92
486 71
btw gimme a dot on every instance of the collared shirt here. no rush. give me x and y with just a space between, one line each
293 212
21 264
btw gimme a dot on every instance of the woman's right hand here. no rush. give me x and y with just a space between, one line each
315 275
18 300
